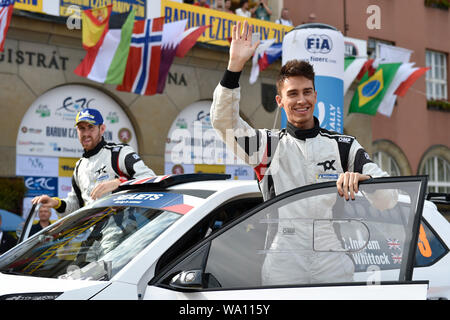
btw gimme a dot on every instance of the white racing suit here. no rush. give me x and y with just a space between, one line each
107 161
284 160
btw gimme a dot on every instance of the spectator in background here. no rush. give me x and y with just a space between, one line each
6 241
262 11
201 3
44 220
228 6
220 5
284 19
224 6
243 10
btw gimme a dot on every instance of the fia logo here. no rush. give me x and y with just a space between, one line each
318 43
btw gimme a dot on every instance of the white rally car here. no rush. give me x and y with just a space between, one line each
202 236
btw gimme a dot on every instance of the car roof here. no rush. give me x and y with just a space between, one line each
195 181
179 193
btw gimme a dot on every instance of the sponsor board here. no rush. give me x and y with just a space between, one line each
52 118
324 49
37 186
36 166
192 145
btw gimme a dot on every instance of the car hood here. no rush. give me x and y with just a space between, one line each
24 287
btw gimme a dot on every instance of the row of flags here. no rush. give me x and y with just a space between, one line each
383 79
136 55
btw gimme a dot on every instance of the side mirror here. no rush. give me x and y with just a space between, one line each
188 280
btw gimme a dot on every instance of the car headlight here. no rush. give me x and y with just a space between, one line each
31 296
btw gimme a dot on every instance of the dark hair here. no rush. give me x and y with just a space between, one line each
295 68
241 3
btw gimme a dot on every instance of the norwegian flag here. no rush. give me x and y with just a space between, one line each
143 64
396 258
393 244
6 10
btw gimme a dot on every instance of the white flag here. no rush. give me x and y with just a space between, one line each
263 46
387 104
392 54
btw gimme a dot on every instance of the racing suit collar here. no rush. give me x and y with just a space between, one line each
303 134
96 150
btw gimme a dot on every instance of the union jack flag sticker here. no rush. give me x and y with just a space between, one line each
393 244
396 258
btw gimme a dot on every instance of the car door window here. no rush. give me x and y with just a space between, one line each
215 220
310 235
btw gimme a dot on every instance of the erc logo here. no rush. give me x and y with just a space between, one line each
318 43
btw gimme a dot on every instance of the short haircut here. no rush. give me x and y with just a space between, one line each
295 68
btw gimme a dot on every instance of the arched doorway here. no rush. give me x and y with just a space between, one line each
47 145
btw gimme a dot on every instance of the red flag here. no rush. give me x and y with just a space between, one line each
171 39
6 10
189 39
405 85
142 71
367 66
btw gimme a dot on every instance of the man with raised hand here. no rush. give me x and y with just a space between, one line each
302 154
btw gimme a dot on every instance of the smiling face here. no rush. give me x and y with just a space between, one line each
90 135
298 98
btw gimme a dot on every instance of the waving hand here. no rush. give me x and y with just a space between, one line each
241 48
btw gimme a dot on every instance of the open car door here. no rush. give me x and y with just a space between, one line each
309 243
24 233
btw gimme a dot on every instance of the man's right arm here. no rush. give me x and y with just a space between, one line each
62 206
238 135
66 205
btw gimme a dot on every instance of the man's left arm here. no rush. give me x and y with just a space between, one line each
360 168
130 166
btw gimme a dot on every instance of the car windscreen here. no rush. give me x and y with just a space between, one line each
93 244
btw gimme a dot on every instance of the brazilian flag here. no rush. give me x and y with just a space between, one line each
371 90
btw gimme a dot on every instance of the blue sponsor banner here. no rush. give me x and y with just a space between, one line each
155 200
37 186
330 101
5 3
329 108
